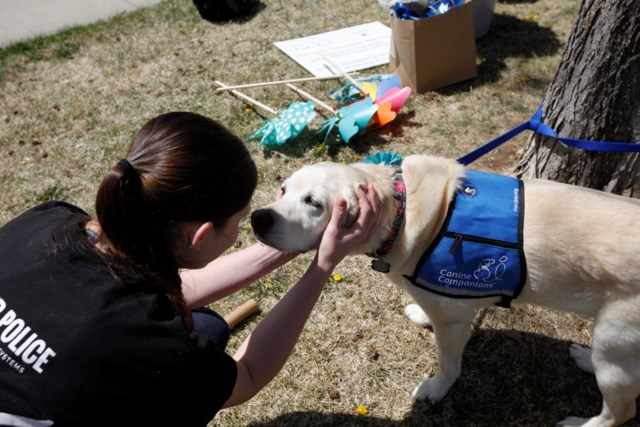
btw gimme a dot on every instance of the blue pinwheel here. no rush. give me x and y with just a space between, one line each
288 124
374 85
350 120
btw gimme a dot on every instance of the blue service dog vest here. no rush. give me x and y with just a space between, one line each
478 252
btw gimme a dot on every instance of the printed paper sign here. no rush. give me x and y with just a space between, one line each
352 49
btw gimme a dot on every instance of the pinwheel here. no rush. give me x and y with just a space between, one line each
385 90
396 97
373 89
286 125
379 100
373 86
389 104
355 118
350 120
390 96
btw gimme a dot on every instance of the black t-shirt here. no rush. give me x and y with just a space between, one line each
80 347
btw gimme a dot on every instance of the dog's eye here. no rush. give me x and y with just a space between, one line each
309 201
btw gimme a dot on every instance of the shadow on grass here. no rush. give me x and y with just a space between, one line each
509 37
509 378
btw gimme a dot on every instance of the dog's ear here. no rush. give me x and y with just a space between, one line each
352 208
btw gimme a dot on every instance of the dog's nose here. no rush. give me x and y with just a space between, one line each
261 220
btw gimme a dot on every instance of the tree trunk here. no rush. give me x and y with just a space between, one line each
595 95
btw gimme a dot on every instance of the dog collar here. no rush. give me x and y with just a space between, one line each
400 199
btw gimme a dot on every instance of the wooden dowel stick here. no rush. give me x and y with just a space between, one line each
241 313
280 82
343 72
247 98
310 97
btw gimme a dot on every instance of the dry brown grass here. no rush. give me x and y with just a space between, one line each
70 104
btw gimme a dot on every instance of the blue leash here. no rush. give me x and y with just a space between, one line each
535 124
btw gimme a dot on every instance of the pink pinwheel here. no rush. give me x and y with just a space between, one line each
396 96
389 103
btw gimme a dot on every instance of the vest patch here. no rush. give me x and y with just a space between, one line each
478 252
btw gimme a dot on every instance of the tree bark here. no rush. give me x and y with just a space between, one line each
595 95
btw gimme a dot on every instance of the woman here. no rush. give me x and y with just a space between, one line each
96 323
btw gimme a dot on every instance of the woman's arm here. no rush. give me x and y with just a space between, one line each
230 273
267 348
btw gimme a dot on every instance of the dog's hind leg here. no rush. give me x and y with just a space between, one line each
452 329
582 357
616 362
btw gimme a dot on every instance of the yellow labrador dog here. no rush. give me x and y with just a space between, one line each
578 251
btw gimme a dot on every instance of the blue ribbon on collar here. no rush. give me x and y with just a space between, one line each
535 124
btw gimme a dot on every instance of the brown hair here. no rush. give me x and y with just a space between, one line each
180 167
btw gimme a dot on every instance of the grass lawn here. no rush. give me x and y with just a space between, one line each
71 103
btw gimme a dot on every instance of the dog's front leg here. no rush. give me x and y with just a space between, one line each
452 331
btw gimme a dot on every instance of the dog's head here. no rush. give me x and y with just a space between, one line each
296 221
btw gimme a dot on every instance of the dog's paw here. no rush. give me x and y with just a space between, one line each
573 422
582 357
417 315
433 389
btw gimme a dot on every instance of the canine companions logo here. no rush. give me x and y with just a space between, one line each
489 271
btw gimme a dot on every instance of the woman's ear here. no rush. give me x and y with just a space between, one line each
199 233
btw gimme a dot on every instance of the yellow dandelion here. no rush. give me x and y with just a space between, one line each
249 227
268 284
318 149
247 109
337 277
362 410
531 17
522 80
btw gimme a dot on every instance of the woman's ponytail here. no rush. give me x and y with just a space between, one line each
180 167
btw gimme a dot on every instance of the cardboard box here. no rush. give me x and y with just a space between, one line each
434 52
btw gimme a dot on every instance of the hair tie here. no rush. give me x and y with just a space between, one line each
128 168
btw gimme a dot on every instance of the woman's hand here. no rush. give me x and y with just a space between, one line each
338 241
